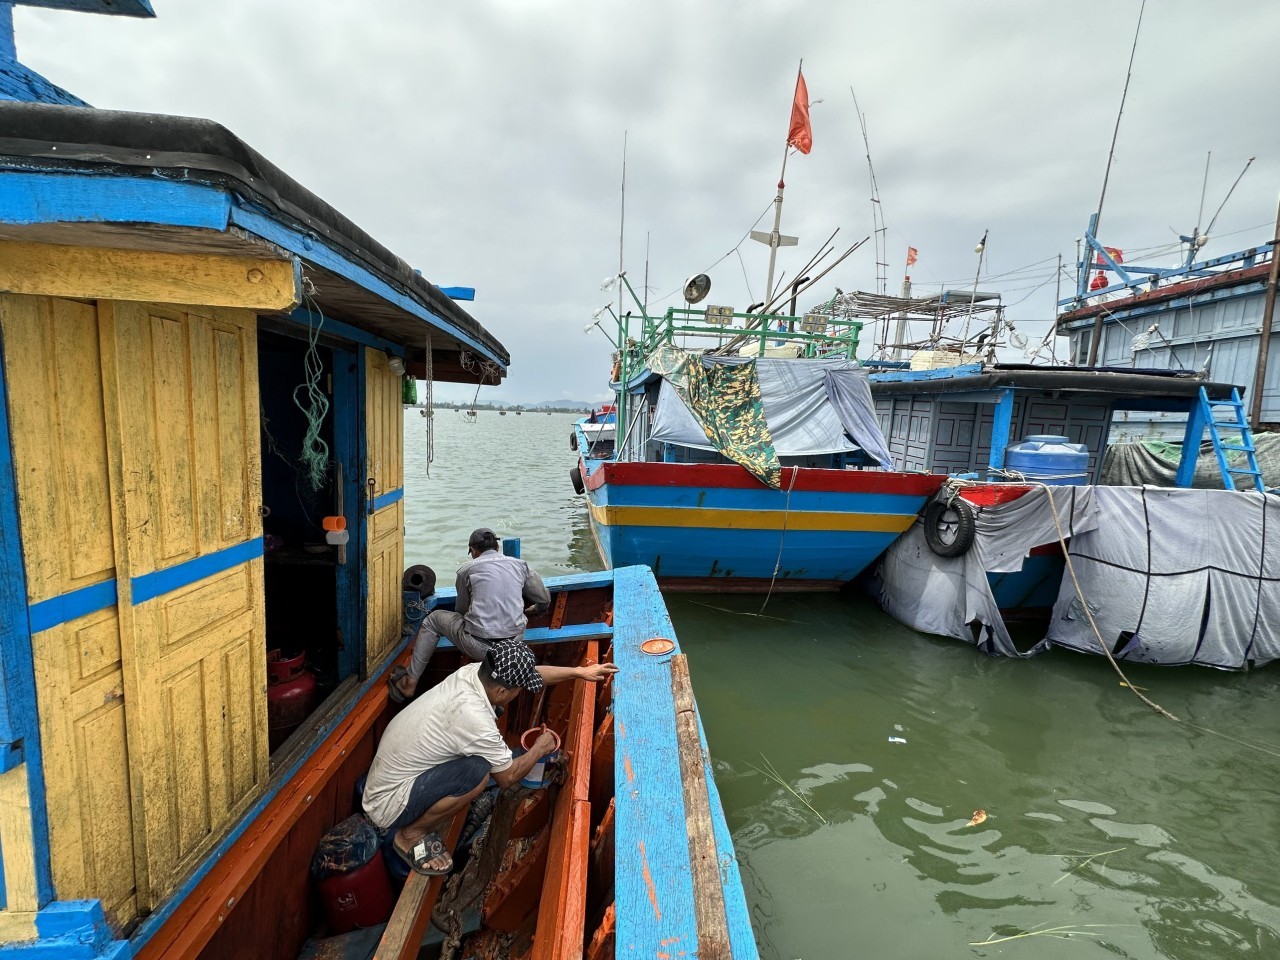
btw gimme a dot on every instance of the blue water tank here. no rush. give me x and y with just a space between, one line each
1049 459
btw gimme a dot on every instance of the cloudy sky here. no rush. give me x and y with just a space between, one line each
483 140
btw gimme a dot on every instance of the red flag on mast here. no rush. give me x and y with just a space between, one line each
912 253
800 135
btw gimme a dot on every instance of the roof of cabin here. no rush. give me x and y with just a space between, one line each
143 181
1132 383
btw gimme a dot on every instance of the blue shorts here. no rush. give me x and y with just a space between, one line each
455 778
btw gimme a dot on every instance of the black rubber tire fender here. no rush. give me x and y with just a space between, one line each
575 477
421 578
573 440
950 527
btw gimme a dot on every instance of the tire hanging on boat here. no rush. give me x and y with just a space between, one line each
573 440
575 477
950 527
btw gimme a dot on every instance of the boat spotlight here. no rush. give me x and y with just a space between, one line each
395 364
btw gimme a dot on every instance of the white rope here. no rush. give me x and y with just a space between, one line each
430 405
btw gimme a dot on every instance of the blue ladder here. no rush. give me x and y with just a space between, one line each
1201 418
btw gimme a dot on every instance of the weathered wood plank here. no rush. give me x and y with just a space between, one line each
403 935
45 269
713 930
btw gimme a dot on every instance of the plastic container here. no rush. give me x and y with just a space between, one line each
1050 459
536 777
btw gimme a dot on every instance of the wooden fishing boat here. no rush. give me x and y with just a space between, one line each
665 495
171 520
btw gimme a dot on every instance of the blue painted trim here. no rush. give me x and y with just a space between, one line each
387 499
8 49
327 324
943 373
312 249
71 606
511 547
62 197
19 82
152 585
459 293
157 919
27 198
115 8
1000 429
19 717
574 631
347 410
361 505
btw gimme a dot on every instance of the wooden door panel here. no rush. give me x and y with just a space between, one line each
384 550
58 434
195 655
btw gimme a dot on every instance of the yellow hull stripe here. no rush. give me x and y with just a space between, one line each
722 519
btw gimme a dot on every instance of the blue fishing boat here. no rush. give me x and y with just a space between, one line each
756 469
202 506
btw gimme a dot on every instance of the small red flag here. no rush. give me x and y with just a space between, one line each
912 252
800 135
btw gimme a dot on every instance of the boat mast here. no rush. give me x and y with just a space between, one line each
774 238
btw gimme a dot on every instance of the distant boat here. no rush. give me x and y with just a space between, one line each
502 413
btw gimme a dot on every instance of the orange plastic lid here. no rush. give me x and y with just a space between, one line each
334 523
658 646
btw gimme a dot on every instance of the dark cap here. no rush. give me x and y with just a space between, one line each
513 665
483 539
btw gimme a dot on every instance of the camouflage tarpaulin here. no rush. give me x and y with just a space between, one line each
725 401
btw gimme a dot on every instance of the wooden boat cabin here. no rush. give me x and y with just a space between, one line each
202 362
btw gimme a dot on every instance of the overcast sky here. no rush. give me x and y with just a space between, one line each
482 141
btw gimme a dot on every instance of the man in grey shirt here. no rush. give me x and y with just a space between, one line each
495 594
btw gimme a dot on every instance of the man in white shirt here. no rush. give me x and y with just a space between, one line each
495 595
438 754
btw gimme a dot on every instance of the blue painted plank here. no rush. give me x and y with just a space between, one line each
387 499
1000 429
73 605
7 49
118 8
88 198
148 586
573 631
459 293
944 373
742 938
653 880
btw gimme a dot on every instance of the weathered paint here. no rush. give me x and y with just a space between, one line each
652 875
384 474
58 429
17 919
45 269
725 518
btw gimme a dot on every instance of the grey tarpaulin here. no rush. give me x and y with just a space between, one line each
944 595
1171 576
1177 576
802 416
850 394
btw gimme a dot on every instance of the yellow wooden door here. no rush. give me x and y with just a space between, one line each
58 431
384 491
190 560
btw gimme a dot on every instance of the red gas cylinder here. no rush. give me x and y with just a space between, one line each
361 898
291 695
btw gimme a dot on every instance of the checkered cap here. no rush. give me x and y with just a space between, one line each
514 665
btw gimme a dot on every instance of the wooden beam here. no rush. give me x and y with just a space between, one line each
402 938
146 276
708 905
446 367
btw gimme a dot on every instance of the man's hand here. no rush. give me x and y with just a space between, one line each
595 672
545 743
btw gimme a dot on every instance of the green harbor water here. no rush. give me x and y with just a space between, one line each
1110 831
